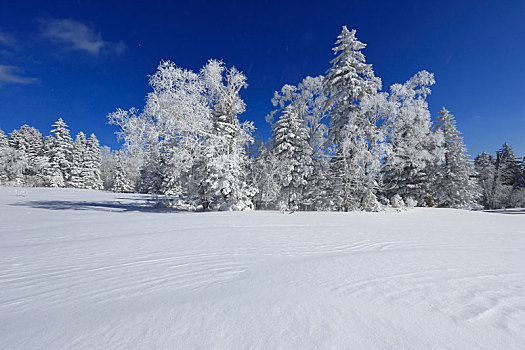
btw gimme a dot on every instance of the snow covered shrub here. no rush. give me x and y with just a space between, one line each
397 201
410 202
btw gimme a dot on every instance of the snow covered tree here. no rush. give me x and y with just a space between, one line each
5 158
265 176
190 129
181 115
366 138
92 159
78 155
158 175
485 167
223 183
28 143
107 167
353 134
348 80
121 183
30 160
320 188
15 163
508 181
415 150
59 152
140 138
308 100
455 186
294 154
28 139
3 140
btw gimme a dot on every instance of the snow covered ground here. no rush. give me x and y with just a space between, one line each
84 269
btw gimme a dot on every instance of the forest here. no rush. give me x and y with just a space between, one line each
340 142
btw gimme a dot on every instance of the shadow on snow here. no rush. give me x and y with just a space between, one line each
113 206
507 211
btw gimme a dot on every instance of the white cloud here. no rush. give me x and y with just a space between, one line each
7 39
75 35
12 75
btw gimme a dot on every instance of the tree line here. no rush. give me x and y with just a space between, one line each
339 142
29 159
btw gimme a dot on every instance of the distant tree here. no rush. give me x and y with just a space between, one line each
92 160
78 164
3 140
5 159
107 167
28 143
454 182
140 137
120 182
159 173
265 176
485 167
59 152
508 181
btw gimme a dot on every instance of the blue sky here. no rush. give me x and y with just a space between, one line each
83 59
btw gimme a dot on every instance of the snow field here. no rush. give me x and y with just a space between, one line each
82 269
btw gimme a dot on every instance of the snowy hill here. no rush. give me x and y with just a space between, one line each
82 269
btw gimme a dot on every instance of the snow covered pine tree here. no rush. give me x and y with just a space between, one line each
349 81
294 155
59 152
455 184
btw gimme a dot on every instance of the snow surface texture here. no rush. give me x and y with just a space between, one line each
83 269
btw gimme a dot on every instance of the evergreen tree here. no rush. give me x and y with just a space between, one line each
158 167
30 141
107 167
294 154
308 100
19 157
508 182
485 166
5 159
3 140
28 157
454 185
348 82
59 151
78 156
320 187
92 159
121 183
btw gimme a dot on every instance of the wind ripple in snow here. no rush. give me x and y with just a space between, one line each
97 278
